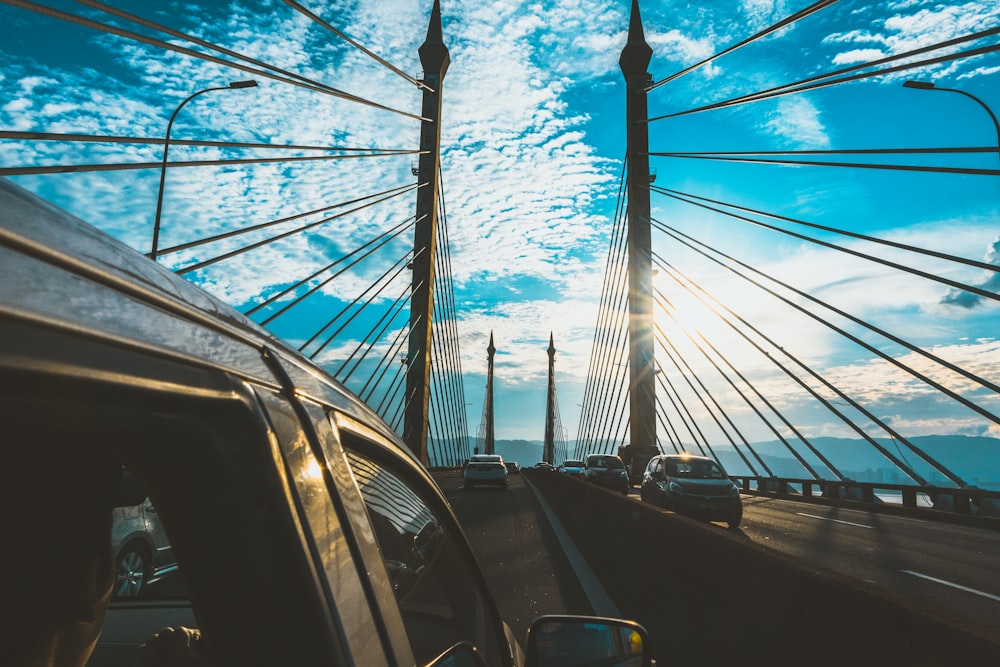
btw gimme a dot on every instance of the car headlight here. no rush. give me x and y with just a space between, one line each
675 488
735 491
622 473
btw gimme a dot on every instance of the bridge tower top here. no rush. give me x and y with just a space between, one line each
434 55
637 53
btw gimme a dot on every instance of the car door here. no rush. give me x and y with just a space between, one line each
430 571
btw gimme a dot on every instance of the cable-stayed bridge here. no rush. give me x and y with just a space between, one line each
331 229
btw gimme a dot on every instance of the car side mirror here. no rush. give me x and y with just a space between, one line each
582 641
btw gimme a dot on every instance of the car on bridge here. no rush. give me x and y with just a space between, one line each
608 471
484 469
693 485
572 468
305 532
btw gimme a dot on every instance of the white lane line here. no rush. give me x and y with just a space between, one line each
953 585
599 599
847 523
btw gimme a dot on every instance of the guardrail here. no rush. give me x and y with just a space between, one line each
967 500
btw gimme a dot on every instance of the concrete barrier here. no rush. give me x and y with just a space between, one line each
710 597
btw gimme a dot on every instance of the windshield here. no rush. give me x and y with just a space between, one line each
572 464
606 462
695 469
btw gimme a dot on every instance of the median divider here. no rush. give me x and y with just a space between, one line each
709 596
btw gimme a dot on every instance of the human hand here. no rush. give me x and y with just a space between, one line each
174 647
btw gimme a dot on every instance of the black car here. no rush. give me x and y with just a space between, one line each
693 485
608 471
304 531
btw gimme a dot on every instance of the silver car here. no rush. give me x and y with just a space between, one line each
143 555
485 469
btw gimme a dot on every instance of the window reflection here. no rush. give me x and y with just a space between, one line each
437 595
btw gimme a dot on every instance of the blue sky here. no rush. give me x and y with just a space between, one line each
533 141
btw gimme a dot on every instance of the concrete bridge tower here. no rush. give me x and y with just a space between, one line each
434 58
549 446
489 438
634 61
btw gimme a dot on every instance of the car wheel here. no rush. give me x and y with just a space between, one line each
734 521
132 567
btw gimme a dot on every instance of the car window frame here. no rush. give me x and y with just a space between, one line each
371 445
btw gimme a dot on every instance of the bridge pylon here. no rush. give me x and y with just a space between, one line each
549 445
434 58
488 432
634 62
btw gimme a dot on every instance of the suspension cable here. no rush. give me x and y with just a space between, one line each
167 46
785 22
826 79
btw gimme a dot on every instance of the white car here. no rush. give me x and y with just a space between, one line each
485 469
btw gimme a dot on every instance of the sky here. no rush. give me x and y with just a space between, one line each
533 139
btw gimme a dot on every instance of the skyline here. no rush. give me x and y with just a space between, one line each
532 147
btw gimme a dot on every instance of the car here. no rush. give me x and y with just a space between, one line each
143 556
608 471
305 531
513 468
572 467
485 469
693 485
545 465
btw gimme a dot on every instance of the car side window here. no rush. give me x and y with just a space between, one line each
437 594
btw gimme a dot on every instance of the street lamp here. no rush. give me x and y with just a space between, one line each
166 146
927 85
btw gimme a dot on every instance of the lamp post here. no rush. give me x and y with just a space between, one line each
166 147
927 85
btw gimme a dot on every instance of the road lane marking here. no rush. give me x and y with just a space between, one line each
599 599
823 518
954 585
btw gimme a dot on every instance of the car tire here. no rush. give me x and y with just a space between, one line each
734 521
132 569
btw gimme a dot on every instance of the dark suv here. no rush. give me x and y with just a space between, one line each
305 532
693 485
608 471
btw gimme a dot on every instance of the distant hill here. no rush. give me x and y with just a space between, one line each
525 452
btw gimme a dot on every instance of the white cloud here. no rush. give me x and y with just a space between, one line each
857 56
917 24
797 122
